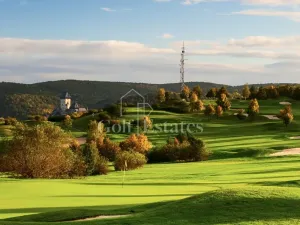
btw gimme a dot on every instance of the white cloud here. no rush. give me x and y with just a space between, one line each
166 36
39 60
292 15
162 0
108 9
272 3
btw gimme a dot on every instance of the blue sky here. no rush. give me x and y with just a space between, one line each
227 41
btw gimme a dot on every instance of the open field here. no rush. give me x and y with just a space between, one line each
240 184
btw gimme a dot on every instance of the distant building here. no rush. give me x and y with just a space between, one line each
66 107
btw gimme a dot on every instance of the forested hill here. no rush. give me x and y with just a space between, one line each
93 94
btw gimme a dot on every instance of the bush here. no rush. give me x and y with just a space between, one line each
77 115
40 151
10 121
189 149
96 164
108 149
2 120
39 118
94 132
103 116
138 143
129 160
67 122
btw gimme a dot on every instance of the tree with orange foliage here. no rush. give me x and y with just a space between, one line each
136 142
185 93
161 95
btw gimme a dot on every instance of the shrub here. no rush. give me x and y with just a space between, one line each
77 115
103 116
94 132
145 123
138 143
286 115
129 160
67 122
39 118
188 150
209 111
224 102
96 164
108 149
219 111
2 120
253 108
40 151
10 121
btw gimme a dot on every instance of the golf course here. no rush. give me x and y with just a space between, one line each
242 182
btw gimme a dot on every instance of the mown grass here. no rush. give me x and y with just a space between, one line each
240 184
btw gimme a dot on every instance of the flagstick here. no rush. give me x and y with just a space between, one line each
124 171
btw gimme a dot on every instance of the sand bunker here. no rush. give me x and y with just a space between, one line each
100 218
285 103
292 151
271 117
81 141
295 138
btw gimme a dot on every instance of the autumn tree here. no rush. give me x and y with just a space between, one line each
94 131
219 111
262 94
194 97
185 92
253 108
222 91
198 106
224 102
253 92
67 122
96 164
41 151
197 89
212 93
246 91
209 111
108 148
136 142
161 95
236 95
286 115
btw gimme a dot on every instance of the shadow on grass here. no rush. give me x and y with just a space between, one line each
290 183
262 206
241 153
75 213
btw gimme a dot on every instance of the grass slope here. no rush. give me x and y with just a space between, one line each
224 206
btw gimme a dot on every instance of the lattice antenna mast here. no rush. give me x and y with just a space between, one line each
182 63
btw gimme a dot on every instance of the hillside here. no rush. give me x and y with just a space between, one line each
92 94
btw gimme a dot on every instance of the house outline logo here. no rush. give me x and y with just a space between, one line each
144 104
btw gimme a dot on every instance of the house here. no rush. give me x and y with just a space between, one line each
66 107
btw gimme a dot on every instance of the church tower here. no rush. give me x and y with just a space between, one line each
65 101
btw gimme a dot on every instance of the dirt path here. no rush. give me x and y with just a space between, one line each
285 103
292 151
81 141
295 138
271 117
100 218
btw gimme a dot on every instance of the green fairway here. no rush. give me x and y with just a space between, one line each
240 184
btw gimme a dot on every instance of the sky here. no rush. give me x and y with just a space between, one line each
227 41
